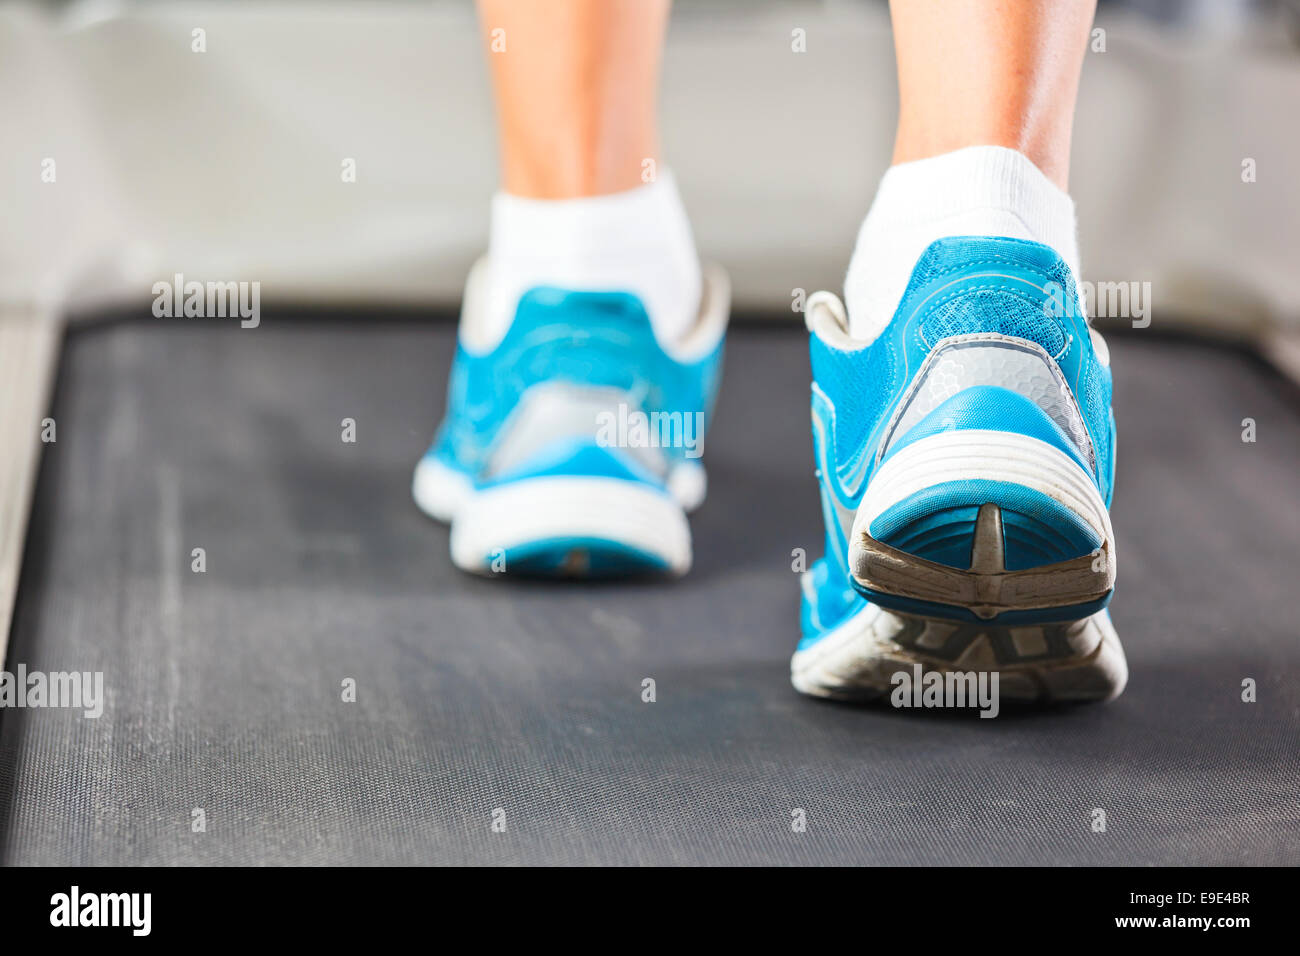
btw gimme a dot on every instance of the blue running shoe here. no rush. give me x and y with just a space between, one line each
966 460
571 446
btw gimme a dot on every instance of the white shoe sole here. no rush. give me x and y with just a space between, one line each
575 515
1073 662
570 523
438 490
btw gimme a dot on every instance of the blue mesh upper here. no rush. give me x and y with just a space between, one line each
1095 403
970 284
1003 311
960 286
590 339
860 384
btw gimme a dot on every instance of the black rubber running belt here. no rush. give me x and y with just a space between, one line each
224 688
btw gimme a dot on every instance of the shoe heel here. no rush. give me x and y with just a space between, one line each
1011 531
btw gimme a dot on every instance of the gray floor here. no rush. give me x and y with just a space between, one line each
224 687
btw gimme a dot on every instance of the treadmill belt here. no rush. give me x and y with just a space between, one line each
520 703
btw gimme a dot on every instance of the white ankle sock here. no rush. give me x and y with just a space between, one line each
638 241
976 191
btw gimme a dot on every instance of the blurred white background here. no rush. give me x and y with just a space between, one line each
226 164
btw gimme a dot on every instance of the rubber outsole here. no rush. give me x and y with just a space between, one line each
1072 662
1063 591
1054 506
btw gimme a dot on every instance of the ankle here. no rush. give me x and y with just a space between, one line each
637 241
979 191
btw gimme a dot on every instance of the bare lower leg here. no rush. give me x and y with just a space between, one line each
990 73
576 88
